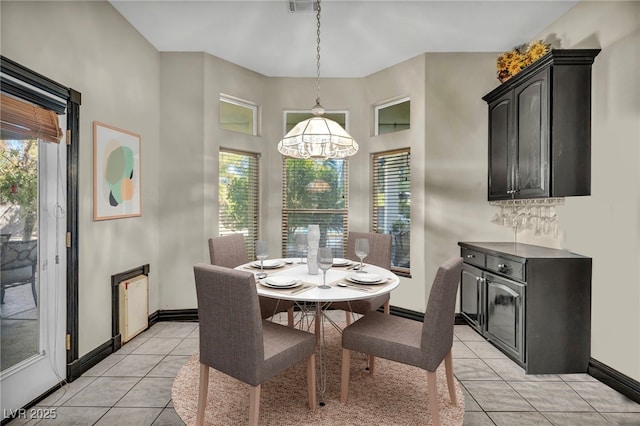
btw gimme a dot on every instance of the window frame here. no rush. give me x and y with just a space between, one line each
338 252
375 207
387 104
244 104
253 226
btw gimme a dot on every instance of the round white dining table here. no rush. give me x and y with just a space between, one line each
314 301
310 291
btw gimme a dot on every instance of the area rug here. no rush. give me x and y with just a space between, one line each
395 395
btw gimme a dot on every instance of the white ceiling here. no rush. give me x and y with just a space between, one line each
358 37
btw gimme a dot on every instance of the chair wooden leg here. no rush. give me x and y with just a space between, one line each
372 364
344 382
311 382
254 405
202 394
290 322
448 366
432 389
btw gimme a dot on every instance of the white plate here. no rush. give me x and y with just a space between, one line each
365 278
280 281
341 262
268 264
294 285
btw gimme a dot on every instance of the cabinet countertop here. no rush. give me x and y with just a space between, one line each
519 250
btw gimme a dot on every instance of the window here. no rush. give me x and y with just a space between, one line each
393 116
392 203
315 192
238 196
237 115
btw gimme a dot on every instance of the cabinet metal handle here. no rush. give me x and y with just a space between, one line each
502 266
471 256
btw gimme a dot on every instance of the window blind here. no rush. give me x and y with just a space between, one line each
22 120
391 210
238 196
315 192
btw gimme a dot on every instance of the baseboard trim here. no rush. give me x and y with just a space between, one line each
615 379
190 315
84 363
418 316
405 313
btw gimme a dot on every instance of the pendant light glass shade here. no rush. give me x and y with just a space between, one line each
318 137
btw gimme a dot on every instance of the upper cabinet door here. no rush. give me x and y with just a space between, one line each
540 129
531 168
500 152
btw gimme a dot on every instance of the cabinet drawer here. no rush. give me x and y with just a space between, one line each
510 268
473 257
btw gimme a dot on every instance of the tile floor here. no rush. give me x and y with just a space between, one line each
133 387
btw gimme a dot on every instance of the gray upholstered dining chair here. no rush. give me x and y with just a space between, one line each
18 266
230 251
236 341
406 341
379 255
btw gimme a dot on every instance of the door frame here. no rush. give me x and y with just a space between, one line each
73 101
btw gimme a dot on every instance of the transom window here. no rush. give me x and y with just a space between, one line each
391 195
393 116
238 115
238 196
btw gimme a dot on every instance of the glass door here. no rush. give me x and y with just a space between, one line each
33 269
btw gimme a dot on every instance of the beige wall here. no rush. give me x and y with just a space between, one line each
606 225
91 48
406 79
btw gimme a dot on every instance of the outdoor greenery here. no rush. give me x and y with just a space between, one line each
237 183
19 180
318 184
315 193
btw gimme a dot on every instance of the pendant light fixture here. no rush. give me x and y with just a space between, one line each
318 137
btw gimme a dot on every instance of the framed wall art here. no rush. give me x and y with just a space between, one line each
116 172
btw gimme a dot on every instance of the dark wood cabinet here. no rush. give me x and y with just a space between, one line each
540 129
533 303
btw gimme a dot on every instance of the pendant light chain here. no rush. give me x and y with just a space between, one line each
318 136
318 56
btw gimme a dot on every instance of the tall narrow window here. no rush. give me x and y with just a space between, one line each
238 115
392 203
315 192
238 196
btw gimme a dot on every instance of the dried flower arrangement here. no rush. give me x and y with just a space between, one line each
512 62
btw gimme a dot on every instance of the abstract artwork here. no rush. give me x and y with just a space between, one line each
116 172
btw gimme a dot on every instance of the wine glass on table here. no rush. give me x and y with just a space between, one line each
262 252
301 244
362 251
325 261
